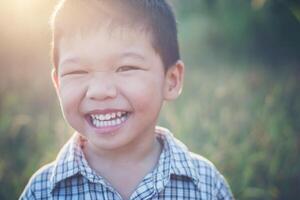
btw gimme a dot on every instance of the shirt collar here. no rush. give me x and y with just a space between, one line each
175 159
66 164
71 161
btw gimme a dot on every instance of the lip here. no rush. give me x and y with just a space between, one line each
108 130
105 111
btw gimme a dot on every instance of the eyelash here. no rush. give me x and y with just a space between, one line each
127 68
74 73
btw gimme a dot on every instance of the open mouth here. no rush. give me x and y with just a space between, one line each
108 119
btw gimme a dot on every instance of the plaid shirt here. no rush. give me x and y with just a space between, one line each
178 175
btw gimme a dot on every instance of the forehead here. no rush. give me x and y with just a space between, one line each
77 20
106 43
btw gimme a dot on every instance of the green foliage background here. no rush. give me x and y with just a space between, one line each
240 105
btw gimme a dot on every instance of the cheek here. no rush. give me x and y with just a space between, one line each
70 96
144 93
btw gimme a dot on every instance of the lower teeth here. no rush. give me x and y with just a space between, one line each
114 122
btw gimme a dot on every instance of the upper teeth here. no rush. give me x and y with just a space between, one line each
107 116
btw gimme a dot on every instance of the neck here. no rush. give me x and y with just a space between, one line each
143 152
125 167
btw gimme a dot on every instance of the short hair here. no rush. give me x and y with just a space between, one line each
156 17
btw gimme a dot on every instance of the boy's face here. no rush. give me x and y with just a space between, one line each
111 86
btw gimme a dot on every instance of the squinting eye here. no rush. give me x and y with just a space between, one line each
127 68
78 72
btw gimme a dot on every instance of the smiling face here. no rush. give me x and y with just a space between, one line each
111 86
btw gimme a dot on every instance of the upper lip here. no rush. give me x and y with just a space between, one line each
105 111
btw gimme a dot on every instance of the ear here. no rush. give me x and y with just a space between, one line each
54 77
174 81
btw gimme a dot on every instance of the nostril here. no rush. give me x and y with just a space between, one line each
101 91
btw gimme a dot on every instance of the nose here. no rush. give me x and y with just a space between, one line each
101 87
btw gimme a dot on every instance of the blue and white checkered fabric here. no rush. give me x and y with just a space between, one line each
178 175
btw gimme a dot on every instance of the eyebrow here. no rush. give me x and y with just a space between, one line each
133 54
69 60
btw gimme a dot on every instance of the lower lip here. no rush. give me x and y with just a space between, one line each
108 129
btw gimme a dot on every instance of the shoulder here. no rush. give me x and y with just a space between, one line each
202 165
39 184
47 177
209 177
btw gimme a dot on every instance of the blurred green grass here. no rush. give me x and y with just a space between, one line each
246 122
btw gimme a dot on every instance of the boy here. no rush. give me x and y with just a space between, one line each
115 63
